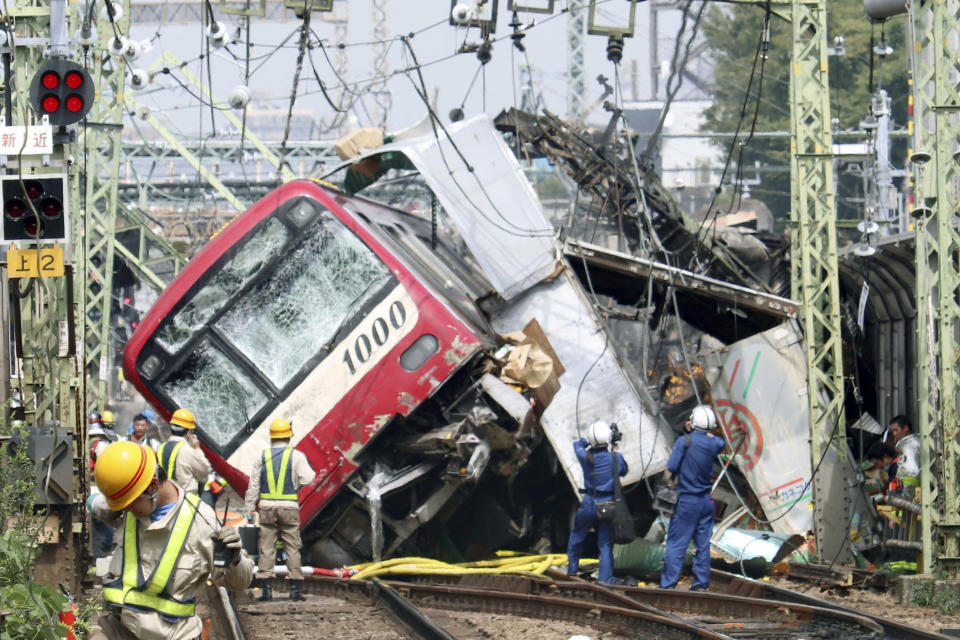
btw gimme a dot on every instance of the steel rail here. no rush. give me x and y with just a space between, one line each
224 612
601 616
412 617
732 615
892 629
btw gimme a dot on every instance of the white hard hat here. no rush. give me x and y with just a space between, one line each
598 433
703 418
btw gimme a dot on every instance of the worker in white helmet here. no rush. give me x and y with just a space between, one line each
692 461
596 459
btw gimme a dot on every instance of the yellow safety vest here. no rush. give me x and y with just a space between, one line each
131 591
168 456
280 485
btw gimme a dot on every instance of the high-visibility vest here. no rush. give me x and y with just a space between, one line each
167 454
279 486
131 591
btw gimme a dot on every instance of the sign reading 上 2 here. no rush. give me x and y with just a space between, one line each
34 263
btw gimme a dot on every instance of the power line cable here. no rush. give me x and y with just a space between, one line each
304 37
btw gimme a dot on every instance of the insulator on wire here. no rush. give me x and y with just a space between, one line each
615 49
517 35
484 52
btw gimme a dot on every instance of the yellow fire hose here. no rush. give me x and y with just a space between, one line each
507 562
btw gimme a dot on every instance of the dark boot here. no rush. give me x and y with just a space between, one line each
296 591
266 587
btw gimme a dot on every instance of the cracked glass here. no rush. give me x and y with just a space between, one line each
265 244
221 396
282 322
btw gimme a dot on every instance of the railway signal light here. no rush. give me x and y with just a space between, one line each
34 209
63 91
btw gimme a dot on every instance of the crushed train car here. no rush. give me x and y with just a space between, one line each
379 334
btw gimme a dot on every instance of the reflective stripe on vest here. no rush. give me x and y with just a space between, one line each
279 485
168 456
131 591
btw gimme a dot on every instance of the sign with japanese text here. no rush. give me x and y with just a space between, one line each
33 263
34 140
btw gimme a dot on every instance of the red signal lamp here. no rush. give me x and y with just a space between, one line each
50 80
63 91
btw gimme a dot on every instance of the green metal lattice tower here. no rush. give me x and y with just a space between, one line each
813 256
112 232
814 273
934 32
101 146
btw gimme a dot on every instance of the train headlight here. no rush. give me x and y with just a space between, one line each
302 212
419 352
150 366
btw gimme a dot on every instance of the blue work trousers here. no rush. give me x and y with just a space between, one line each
692 519
585 519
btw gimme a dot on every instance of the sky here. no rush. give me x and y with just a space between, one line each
452 79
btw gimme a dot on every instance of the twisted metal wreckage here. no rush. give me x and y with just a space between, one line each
563 331
630 339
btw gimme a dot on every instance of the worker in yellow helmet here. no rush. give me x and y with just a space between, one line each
165 549
276 477
180 455
109 421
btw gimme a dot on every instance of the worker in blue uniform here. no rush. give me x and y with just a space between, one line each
692 461
597 463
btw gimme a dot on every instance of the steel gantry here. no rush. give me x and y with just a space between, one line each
42 310
814 274
815 279
111 232
934 32
101 142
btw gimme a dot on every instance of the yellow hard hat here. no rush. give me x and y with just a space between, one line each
108 418
123 472
183 418
280 428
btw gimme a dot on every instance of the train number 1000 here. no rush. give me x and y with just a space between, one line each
375 336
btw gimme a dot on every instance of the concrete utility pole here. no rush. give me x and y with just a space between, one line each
934 29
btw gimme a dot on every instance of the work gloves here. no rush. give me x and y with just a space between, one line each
229 538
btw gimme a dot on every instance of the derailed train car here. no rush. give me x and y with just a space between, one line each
374 333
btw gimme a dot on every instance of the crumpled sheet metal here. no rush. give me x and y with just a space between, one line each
594 386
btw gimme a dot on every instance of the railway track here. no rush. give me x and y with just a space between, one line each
723 582
731 616
440 607
395 610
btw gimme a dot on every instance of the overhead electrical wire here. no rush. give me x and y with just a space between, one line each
759 60
435 122
304 38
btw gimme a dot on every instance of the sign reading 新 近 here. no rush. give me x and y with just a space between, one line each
35 140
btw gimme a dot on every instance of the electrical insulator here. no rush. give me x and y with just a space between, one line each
239 97
615 49
139 79
463 13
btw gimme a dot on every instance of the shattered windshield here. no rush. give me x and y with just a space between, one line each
264 245
318 285
219 393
